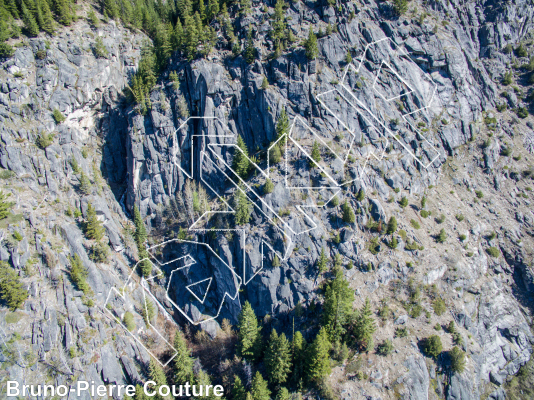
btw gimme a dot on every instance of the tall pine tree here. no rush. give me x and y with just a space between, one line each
238 390
364 327
282 127
298 349
248 333
337 306
241 163
156 374
277 359
242 206
318 359
183 362
259 390
93 226
29 22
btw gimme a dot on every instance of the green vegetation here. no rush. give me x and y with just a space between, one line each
12 291
479 194
43 140
457 357
140 237
442 236
100 252
93 227
100 49
459 217
440 219
400 6
249 337
348 213
392 226
315 154
415 224
507 80
401 332
85 184
277 359
364 326
424 213
404 202
361 195
183 362
78 274
522 112
241 163
268 187
521 51
5 206
493 251
439 306
243 207
385 348
310 45
128 321
58 116
282 127
318 360
322 262
337 306
433 346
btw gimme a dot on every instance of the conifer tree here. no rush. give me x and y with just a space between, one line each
241 163
268 187
248 332
282 127
298 349
245 6
361 195
392 226
264 83
311 46
404 202
318 359
243 207
275 155
277 359
250 51
276 261
259 390
394 242
348 57
63 11
213 11
442 237
322 263
190 38
48 20
93 226
202 10
203 380
315 154
457 357
348 213
85 184
156 374
337 306
12 290
177 36
185 8
278 23
140 234
5 205
364 327
238 390
11 6
183 362
29 21
283 394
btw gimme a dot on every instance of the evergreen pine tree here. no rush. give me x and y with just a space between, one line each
202 10
315 154
245 6
5 205
275 155
156 374
311 45
268 187
93 227
241 163
38 12
442 237
243 208
348 213
183 362
11 6
85 184
404 202
190 38
213 11
283 394
278 23
12 290
276 261
392 226
248 332
203 380
264 83
63 11
457 357
177 36
48 19
322 263
318 359
259 390
394 242
250 51
348 57
277 359
201 31
298 349
423 202
337 306
238 390
29 22
400 6
282 127
361 195
140 234
364 327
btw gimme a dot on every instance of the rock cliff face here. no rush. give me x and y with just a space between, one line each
449 146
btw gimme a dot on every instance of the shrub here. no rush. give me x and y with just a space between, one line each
506 151
58 116
508 49
462 237
437 327
100 252
479 194
275 155
433 346
424 213
459 217
415 224
78 274
128 320
404 202
439 306
402 234
493 251
385 348
521 51
507 79
401 332
522 112
44 140
416 310
348 213
17 236
6 50
374 246
335 201
99 49
268 187
440 219
442 236
457 359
